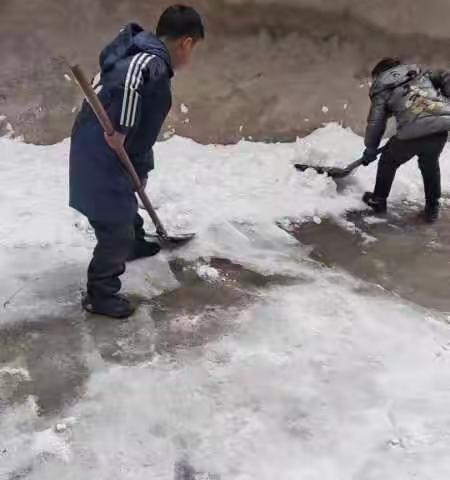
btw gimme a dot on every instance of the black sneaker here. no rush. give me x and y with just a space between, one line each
431 213
377 204
144 249
115 306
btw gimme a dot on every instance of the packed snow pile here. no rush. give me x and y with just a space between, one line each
324 378
217 191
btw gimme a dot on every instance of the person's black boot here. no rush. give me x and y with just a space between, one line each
114 306
143 249
377 204
431 212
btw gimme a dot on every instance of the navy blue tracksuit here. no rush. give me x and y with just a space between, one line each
134 85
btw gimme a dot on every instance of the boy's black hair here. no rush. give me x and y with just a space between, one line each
180 21
385 64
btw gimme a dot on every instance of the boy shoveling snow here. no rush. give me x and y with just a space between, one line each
420 103
134 86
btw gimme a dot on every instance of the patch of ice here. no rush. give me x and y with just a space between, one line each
6 128
65 424
207 272
15 372
371 220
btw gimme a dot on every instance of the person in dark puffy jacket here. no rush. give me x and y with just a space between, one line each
134 85
419 101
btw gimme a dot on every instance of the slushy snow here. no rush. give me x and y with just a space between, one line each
326 379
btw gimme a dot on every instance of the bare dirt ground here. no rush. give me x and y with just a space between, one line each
265 72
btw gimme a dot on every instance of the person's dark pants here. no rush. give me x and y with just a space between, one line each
397 152
114 244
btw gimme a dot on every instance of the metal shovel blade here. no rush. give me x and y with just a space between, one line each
333 172
179 240
169 242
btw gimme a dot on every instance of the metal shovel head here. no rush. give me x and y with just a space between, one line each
170 242
179 240
333 172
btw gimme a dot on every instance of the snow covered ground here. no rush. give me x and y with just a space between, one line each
324 378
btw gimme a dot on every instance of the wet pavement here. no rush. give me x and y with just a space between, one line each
51 358
398 251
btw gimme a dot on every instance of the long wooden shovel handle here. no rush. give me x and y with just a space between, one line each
105 122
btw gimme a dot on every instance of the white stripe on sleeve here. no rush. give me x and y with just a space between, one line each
131 89
127 92
139 79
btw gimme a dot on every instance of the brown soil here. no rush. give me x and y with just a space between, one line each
265 72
